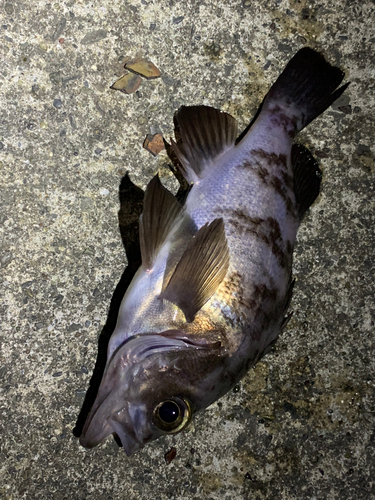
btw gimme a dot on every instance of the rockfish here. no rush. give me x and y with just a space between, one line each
214 287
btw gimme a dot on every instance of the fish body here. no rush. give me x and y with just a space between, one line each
215 284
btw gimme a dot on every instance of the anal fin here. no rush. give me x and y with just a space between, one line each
200 271
288 299
307 177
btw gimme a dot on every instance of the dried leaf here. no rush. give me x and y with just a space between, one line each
142 67
154 143
170 455
127 84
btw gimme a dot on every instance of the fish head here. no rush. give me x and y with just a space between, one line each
152 386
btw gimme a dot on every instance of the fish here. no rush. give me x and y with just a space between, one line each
213 291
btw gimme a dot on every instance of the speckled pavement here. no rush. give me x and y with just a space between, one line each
301 424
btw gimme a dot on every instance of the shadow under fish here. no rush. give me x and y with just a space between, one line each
131 203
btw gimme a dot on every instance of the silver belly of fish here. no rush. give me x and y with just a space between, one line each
215 284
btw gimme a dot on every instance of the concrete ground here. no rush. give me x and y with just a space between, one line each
301 424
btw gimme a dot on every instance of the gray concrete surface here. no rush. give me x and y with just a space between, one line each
301 424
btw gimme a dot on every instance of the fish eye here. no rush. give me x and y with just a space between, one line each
172 415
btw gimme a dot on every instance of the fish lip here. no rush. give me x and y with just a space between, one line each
87 439
128 439
91 438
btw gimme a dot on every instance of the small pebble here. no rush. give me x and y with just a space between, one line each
94 36
27 284
104 191
346 109
178 20
57 103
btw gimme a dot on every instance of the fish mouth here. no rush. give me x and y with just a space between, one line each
90 436
95 431
128 440
103 420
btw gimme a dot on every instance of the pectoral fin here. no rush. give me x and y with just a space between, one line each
200 271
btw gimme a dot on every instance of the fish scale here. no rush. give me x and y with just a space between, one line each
213 291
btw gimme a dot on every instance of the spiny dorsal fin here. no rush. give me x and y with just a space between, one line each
200 271
161 211
306 178
202 134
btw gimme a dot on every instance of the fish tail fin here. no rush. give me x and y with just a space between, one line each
306 88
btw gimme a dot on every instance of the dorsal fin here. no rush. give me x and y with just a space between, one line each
200 271
202 134
307 177
161 211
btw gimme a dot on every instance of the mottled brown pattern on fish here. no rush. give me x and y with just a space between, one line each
280 119
287 179
274 228
261 293
263 303
263 174
242 220
239 222
270 158
259 301
232 292
263 164
265 293
279 187
229 289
